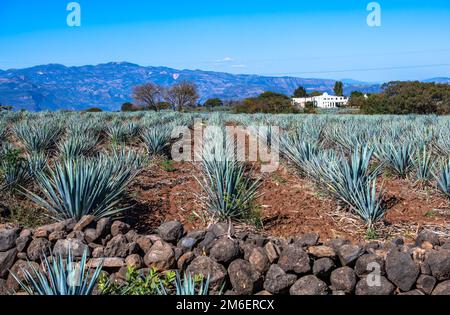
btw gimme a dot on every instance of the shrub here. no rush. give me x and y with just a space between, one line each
164 105
94 110
310 108
155 283
213 102
138 284
267 102
409 97
130 107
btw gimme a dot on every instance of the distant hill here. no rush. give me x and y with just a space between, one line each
107 86
439 80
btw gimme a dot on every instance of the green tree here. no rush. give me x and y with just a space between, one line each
338 88
356 101
315 93
300 92
164 105
409 98
5 107
127 107
183 94
356 94
310 108
213 102
93 110
149 95
267 102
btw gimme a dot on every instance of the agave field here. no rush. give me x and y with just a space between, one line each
65 165
359 177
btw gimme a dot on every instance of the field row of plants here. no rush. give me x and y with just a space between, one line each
73 164
69 165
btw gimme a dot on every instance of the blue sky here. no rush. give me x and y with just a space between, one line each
305 38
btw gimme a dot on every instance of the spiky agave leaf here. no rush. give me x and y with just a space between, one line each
157 139
13 174
78 146
189 285
348 181
117 133
123 158
443 179
133 130
346 177
37 137
80 187
230 190
350 136
17 170
90 123
3 131
399 158
298 152
120 133
442 141
36 163
424 165
12 166
267 135
61 276
368 203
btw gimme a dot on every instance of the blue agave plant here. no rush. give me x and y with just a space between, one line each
157 139
443 179
60 276
400 158
189 285
81 187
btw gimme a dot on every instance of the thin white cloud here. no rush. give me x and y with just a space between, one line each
239 66
226 59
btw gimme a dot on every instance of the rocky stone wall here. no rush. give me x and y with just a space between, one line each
241 263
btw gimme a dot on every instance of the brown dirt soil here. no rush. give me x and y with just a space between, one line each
17 210
414 207
292 206
289 205
159 195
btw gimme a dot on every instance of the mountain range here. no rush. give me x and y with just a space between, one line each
108 86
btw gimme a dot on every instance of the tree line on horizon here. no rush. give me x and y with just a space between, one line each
396 97
151 96
400 98
184 96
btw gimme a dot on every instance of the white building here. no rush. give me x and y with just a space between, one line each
322 101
